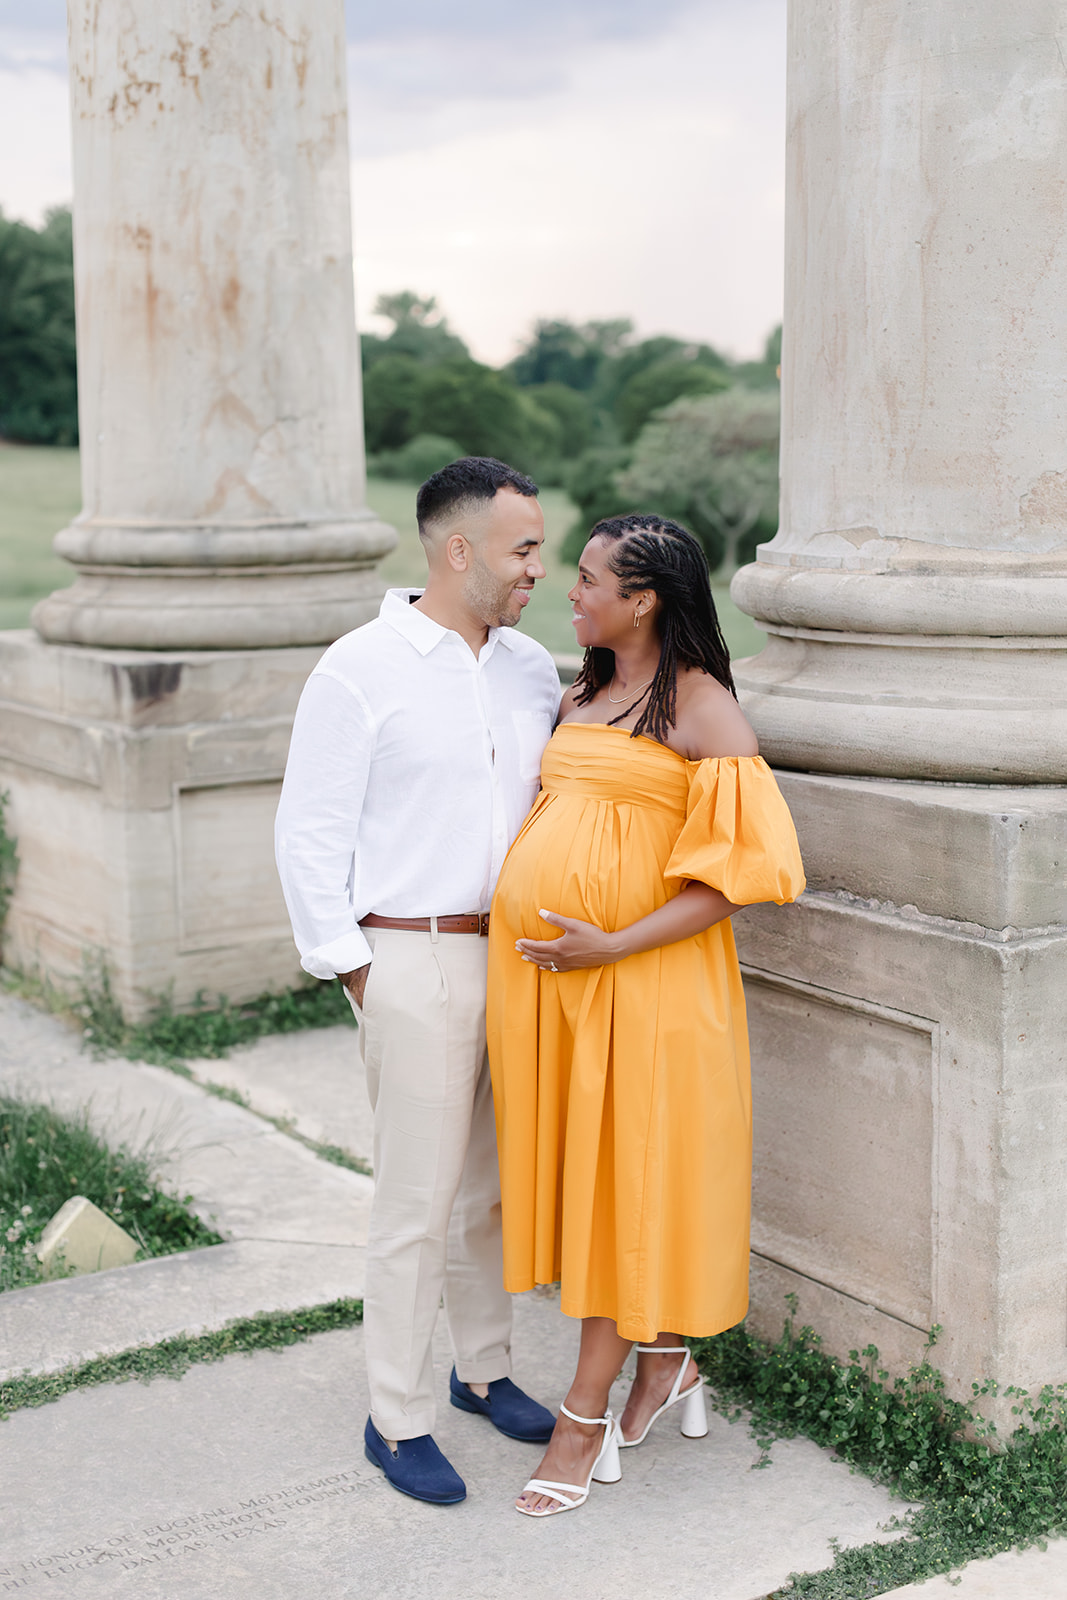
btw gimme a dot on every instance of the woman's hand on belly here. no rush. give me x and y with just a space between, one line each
583 944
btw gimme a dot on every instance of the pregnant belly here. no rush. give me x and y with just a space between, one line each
599 862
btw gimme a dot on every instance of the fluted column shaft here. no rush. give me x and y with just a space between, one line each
916 593
219 385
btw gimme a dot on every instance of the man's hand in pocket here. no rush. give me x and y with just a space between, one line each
356 982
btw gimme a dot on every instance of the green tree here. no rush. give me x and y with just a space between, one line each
569 353
418 331
540 450
711 462
592 483
391 389
485 411
572 412
634 359
420 457
763 374
656 386
38 363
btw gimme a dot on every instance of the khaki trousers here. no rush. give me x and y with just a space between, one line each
435 1218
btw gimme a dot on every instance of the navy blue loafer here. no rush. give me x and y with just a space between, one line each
509 1410
418 1468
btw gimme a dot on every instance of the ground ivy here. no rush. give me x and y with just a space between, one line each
977 1494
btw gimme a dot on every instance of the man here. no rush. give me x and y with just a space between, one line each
415 757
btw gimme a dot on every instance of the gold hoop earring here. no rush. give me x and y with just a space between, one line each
637 619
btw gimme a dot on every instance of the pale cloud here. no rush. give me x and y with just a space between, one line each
564 21
648 183
34 139
581 158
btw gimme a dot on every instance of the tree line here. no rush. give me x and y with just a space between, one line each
38 368
621 423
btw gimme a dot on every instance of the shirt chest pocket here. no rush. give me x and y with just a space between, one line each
533 730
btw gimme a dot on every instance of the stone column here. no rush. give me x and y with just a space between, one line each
224 538
218 363
916 593
912 1012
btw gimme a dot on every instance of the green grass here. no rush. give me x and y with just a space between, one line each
172 1358
40 494
9 859
208 1031
46 1158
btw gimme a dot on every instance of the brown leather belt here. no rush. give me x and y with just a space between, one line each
463 922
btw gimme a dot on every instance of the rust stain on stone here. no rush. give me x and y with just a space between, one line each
226 482
1046 501
141 239
233 411
231 293
180 57
137 91
298 45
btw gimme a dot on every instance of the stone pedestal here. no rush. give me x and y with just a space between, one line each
909 1016
909 1038
143 795
224 539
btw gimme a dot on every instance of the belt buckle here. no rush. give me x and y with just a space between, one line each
483 925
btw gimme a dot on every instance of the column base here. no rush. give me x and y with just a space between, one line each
907 1021
143 787
278 607
950 675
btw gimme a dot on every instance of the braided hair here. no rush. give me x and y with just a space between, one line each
649 552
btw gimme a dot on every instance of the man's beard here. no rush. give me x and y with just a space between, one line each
489 597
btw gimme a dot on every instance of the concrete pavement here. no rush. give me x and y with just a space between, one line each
247 1477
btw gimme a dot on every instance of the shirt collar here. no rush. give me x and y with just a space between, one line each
422 631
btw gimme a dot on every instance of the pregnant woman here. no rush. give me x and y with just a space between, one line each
617 1041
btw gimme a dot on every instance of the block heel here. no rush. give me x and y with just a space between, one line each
694 1416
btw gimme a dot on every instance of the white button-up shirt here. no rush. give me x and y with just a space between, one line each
412 767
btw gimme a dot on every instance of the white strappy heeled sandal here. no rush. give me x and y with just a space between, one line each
605 1469
694 1409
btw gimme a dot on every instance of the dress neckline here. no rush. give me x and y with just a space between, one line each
626 734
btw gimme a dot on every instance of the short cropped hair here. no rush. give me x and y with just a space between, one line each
462 484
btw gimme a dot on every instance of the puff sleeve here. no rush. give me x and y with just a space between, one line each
738 836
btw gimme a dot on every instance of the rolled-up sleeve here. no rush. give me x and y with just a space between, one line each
317 826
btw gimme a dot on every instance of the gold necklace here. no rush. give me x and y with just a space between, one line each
630 693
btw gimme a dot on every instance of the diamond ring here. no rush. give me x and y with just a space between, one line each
552 967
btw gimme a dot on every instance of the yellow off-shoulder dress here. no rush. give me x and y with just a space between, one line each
622 1092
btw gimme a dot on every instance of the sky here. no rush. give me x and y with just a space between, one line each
586 159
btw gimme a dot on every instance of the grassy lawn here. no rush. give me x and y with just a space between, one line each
40 493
